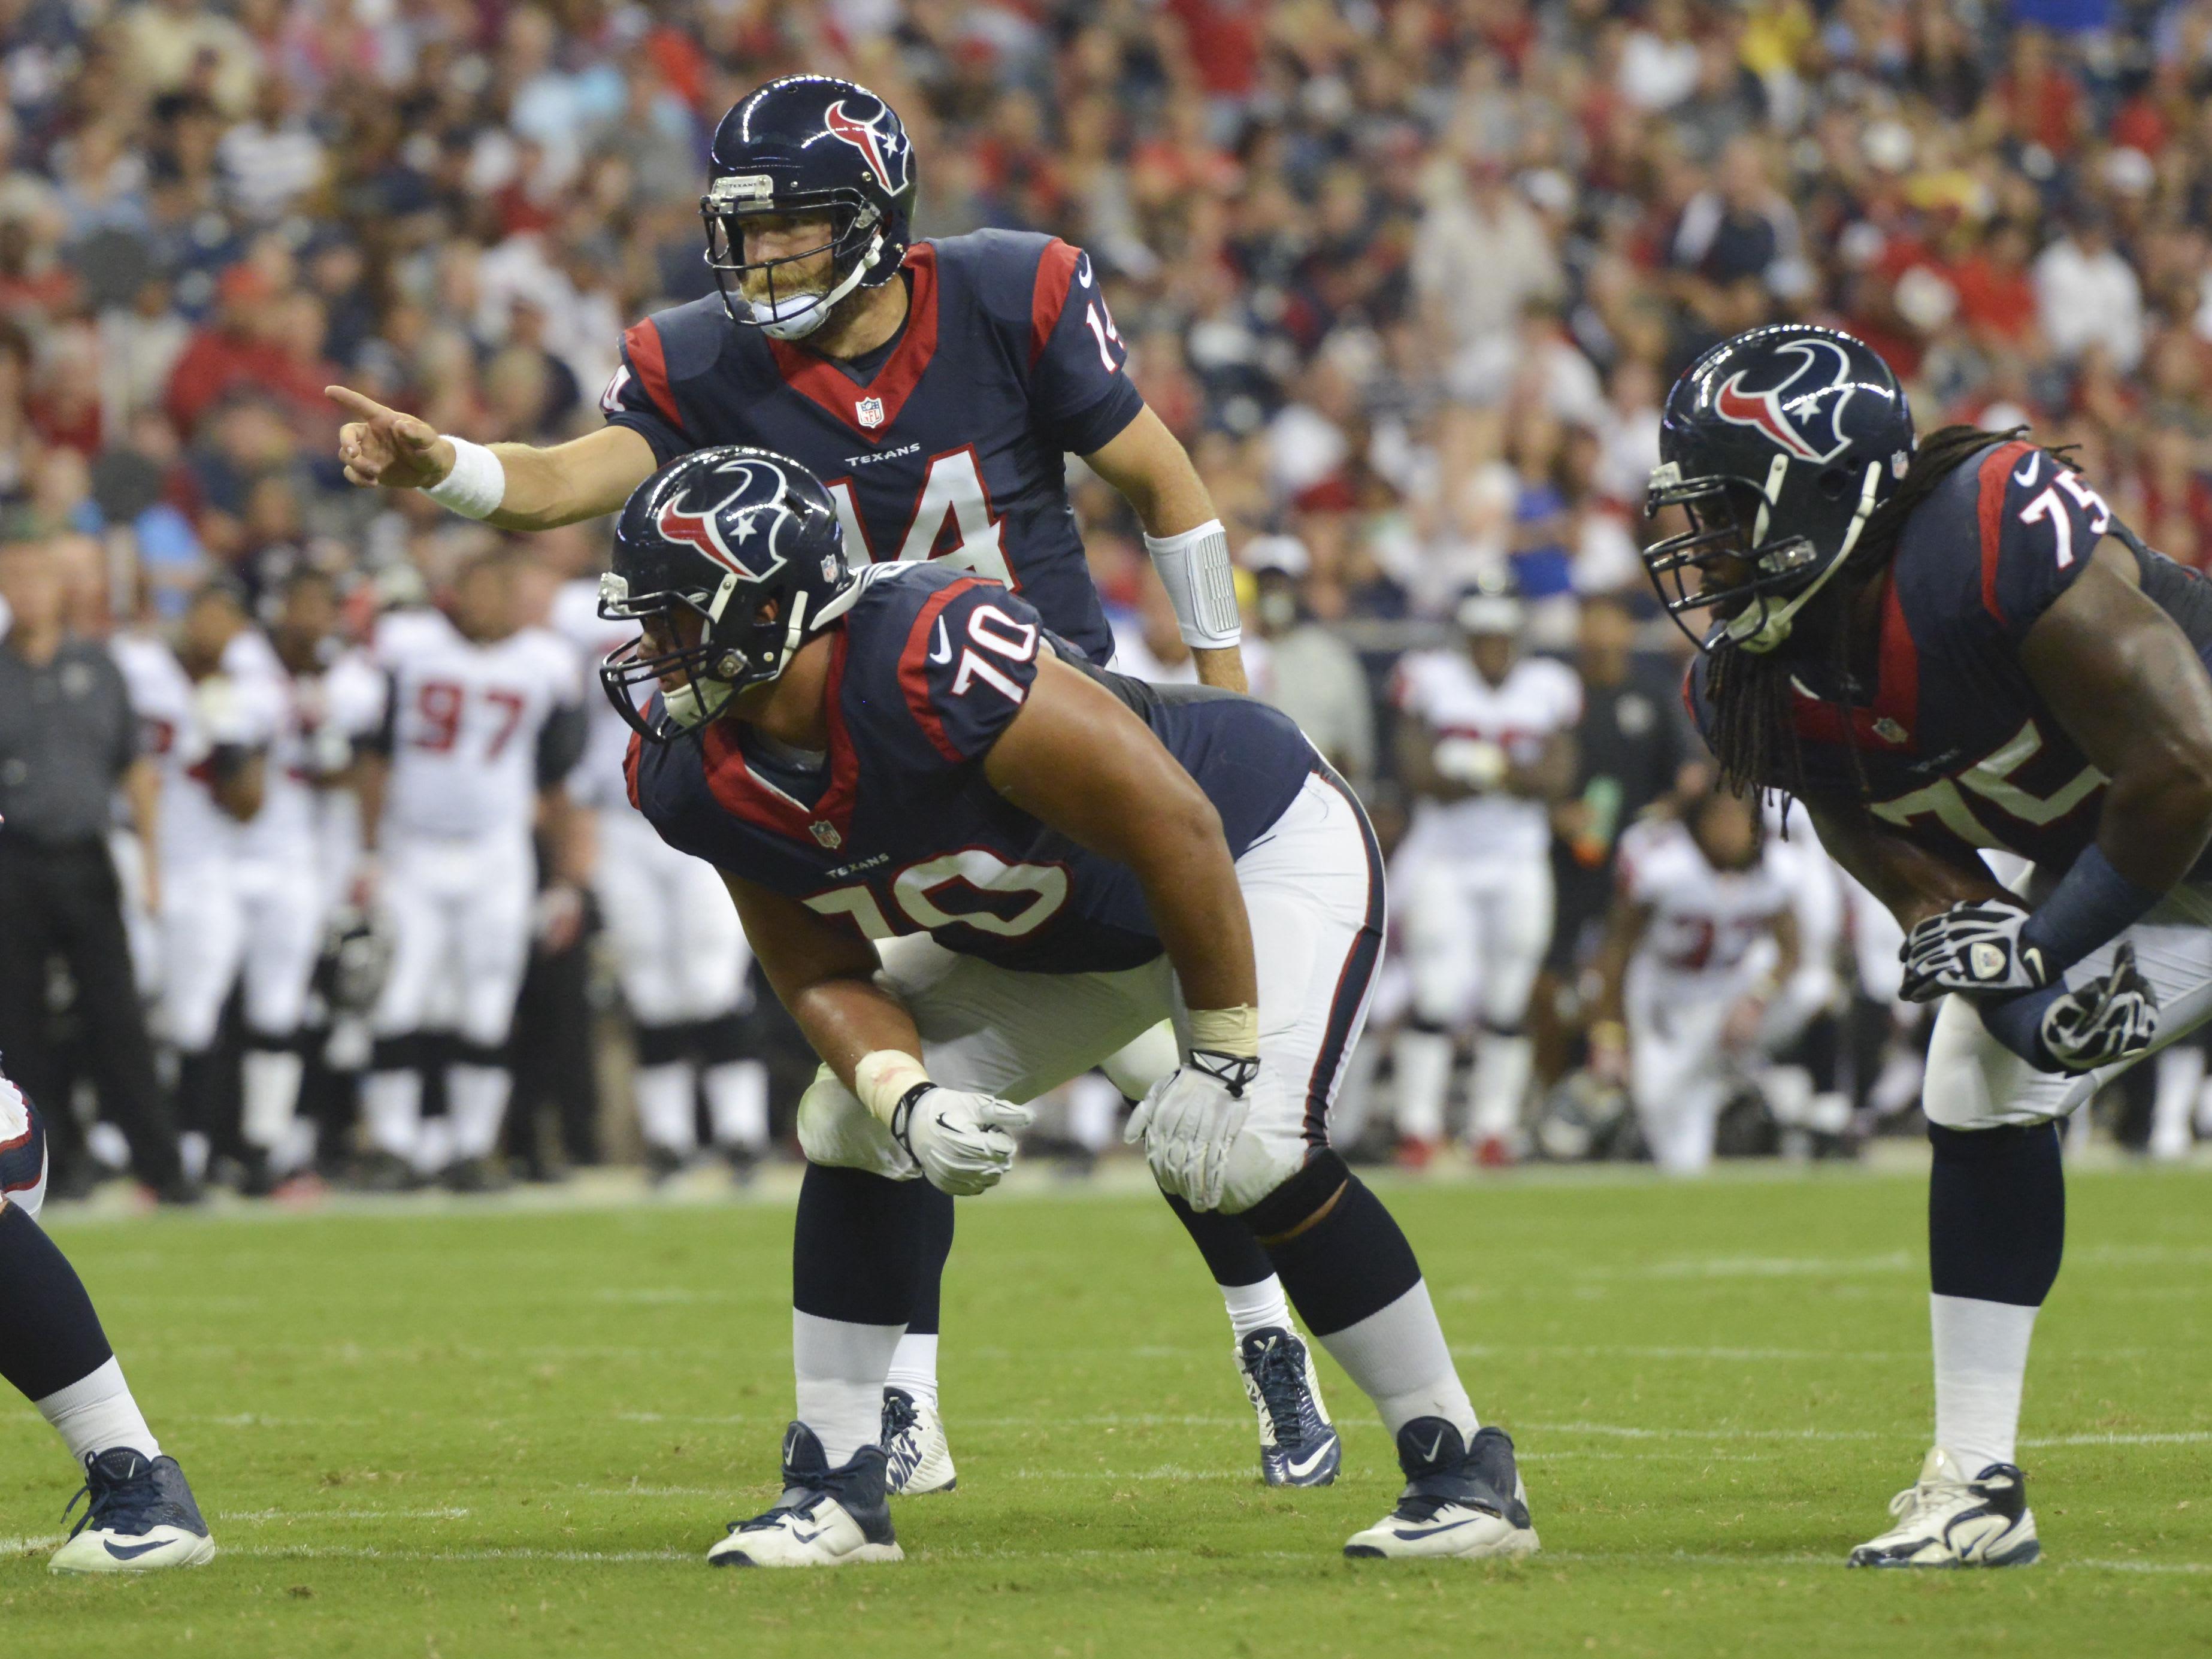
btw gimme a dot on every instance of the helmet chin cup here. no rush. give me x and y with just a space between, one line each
801 314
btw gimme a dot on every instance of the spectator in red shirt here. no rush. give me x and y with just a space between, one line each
1996 296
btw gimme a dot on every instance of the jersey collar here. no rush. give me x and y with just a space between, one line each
1888 719
872 409
740 790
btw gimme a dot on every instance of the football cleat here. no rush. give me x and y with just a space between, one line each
1945 1520
1460 1502
1297 1445
139 1517
826 1517
915 1458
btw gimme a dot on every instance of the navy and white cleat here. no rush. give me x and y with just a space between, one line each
139 1517
826 1517
1460 1502
1299 1445
1945 1520
915 1456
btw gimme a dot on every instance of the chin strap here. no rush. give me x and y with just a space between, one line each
804 323
1765 625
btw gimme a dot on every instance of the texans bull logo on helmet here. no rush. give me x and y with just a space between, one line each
1769 411
702 527
885 148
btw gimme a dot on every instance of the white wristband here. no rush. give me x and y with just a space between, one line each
476 486
1194 569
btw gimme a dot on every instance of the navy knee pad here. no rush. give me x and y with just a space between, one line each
1997 1213
867 1250
1232 1255
50 1337
1341 1255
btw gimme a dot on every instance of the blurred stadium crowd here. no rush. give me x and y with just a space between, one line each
1409 277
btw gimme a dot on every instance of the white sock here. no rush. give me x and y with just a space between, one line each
1981 1361
270 1094
192 1152
476 1098
841 1370
1425 1063
736 1103
434 1146
1256 1307
2180 1077
663 1107
1502 1068
1398 1358
914 1366
96 1413
392 1110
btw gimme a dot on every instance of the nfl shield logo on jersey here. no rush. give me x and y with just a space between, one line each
870 411
827 835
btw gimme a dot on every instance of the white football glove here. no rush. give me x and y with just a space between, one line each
964 1142
2106 1020
1972 947
1190 1119
1475 761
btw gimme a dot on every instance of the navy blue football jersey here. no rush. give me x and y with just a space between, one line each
899 832
951 444
1954 743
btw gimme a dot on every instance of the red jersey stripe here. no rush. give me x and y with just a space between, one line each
649 362
1992 475
913 660
1055 273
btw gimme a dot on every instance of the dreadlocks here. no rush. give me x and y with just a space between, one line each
1755 738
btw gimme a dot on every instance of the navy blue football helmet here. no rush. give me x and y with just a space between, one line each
724 535
807 143
1780 444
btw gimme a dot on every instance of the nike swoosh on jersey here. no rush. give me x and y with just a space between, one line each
942 653
2029 470
130 1552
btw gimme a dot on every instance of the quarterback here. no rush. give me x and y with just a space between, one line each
936 387
1945 648
908 750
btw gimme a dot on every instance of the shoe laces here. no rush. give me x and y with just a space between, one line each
899 1415
1279 1374
128 1503
1924 1495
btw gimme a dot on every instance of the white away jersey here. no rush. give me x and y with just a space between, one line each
464 719
597 781
1706 924
182 725
1444 690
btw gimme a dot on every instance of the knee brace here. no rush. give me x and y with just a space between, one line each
862 1245
1340 1255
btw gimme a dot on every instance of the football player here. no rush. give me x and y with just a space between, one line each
209 729
1702 935
910 751
1485 743
140 1516
1943 647
484 719
937 387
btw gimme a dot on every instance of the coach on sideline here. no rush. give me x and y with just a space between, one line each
67 740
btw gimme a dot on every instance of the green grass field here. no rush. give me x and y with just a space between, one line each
449 1434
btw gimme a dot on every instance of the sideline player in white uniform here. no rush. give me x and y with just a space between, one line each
209 730
482 720
141 1516
1701 944
1485 743
679 951
283 870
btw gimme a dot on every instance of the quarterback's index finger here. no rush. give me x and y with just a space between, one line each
351 401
